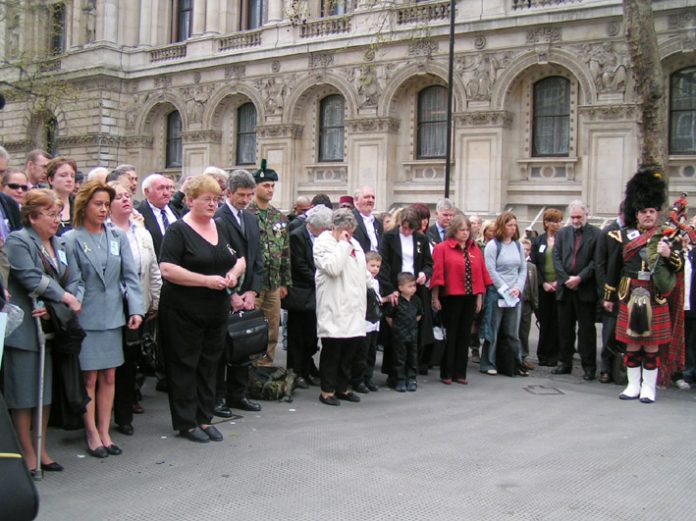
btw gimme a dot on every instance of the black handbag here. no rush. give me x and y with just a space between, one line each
247 335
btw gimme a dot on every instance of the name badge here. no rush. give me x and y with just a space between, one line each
542 248
115 248
632 234
643 275
62 257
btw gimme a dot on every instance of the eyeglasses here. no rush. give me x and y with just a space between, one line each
16 186
52 216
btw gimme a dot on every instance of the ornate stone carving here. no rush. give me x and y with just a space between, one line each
544 35
608 112
319 60
480 42
163 82
607 66
279 131
488 118
479 72
235 72
423 47
101 138
273 93
202 136
139 141
613 29
372 125
682 20
275 66
195 98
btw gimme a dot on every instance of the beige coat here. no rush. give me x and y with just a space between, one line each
148 269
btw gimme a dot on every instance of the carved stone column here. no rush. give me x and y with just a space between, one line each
276 143
213 17
145 29
109 30
275 11
198 18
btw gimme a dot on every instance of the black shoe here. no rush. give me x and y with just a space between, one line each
411 387
212 432
99 452
361 388
245 404
329 400
562 369
588 376
222 411
301 383
198 435
521 372
400 387
372 387
162 385
348 397
126 429
114 450
423 371
604 378
311 381
54 466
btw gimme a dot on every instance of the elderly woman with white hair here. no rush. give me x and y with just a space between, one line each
341 281
301 299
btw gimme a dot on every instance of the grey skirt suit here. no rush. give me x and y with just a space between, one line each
29 279
106 271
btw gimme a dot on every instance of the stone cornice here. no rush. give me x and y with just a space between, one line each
98 138
487 118
608 112
202 136
372 125
139 141
285 130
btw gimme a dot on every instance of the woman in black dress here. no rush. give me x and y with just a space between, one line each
198 266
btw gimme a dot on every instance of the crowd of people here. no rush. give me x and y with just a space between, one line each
106 277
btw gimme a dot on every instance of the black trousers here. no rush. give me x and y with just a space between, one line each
458 314
572 310
302 341
231 381
405 360
194 345
370 355
610 346
124 396
548 346
336 362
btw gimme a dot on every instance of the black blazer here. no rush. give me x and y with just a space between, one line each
360 233
301 253
434 234
151 225
11 210
392 259
585 262
246 244
602 256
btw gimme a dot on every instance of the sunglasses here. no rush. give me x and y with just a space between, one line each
16 186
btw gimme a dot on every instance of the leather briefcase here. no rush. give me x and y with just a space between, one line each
247 336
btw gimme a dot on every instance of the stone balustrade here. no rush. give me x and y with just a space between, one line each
171 52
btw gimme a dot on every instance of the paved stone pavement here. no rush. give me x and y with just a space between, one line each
539 448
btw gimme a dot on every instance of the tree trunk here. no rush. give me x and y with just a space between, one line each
650 87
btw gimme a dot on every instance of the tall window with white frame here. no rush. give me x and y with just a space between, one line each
173 146
252 14
182 20
551 117
331 128
334 7
682 112
56 44
246 134
432 123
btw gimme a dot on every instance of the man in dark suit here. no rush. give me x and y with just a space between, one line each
609 341
243 230
9 221
369 230
157 213
574 261
444 211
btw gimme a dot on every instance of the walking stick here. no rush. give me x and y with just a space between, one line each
38 427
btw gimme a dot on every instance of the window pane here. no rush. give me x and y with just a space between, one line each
334 7
551 122
682 112
432 122
246 134
184 17
57 43
255 14
173 159
331 129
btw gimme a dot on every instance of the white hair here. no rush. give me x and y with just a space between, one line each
216 171
96 172
147 182
578 203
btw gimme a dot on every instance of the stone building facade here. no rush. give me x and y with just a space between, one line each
337 95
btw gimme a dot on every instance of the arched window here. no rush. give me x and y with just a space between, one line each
682 112
551 119
182 20
246 134
331 130
432 122
173 158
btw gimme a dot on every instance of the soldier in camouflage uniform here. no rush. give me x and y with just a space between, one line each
275 245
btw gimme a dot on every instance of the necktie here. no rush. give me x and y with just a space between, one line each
442 235
576 247
240 220
165 219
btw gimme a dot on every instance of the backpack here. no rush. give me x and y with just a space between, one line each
271 383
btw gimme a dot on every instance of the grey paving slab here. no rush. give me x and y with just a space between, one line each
539 448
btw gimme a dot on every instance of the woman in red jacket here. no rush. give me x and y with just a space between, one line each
458 284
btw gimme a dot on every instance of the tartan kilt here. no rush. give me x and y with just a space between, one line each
660 325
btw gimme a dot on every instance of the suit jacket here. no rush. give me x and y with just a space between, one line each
584 265
246 243
151 224
28 279
103 300
360 233
434 234
392 259
11 210
302 266
602 256
148 269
